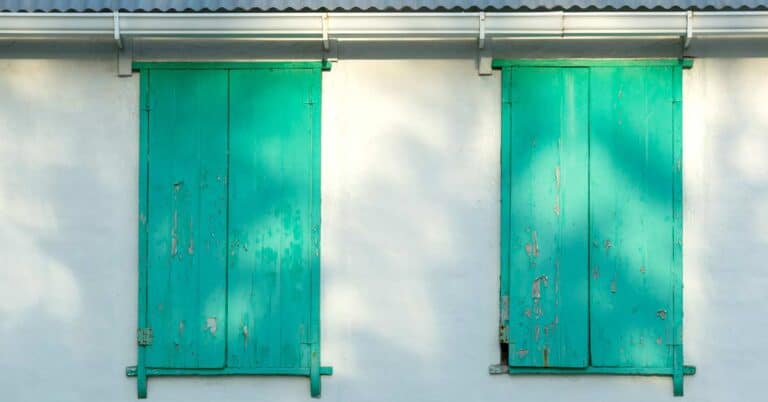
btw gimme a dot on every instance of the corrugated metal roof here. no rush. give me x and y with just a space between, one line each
368 5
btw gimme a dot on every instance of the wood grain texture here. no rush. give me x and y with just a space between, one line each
187 192
630 114
548 285
271 214
632 166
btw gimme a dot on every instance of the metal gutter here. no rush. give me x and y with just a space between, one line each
387 26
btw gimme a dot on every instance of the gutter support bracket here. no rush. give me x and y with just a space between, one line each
562 24
326 41
116 29
688 29
481 34
484 54
124 49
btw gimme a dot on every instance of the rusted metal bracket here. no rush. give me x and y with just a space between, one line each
144 336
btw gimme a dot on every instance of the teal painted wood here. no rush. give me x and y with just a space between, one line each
234 119
635 215
677 266
315 98
642 371
187 193
141 372
271 216
232 65
548 288
684 63
268 371
505 192
631 216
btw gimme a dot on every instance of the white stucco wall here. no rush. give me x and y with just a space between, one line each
410 237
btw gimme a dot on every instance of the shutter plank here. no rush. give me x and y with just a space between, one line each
270 217
548 285
187 218
631 191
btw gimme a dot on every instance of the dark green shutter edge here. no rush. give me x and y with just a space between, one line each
144 334
140 66
684 63
677 370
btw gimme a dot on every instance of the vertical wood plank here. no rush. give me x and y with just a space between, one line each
631 216
187 229
505 192
315 221
548 217
677 266
141 371
271 220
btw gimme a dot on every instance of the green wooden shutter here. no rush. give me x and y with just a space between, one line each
591 277
548 312
632 203
187 190
271 213
230 221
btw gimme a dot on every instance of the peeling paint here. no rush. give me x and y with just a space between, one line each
608 245
174 235
181 328
522 353
536 286
537 332
191 248
595 272
552 325
662 314
545 356
642 269
658 341
613 283
557 189
210 325
532 249
536 294
245 337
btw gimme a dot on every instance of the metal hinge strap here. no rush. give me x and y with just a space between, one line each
144 336
503 334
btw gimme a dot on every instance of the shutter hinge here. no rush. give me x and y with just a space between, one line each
503 334
144 336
